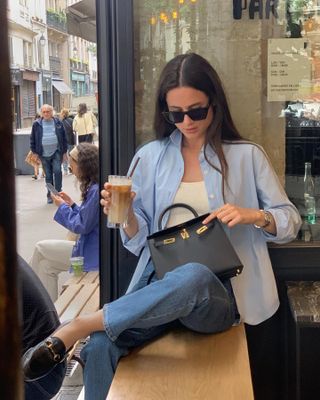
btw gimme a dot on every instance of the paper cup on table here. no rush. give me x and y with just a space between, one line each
77 265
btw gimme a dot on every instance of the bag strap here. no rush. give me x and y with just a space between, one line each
177 205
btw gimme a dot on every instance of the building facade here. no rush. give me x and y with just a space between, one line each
47 64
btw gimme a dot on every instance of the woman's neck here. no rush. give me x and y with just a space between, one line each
192 145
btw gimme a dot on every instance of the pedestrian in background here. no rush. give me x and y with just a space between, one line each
67 124
34 160
84 124
49 142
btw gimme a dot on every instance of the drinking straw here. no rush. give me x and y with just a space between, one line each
134 167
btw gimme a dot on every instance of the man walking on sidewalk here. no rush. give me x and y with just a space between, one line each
48 140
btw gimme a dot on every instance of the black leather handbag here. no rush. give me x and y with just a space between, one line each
193 241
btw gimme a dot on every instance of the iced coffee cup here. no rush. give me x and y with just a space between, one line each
120 201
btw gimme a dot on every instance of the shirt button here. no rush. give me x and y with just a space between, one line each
211 196
205 171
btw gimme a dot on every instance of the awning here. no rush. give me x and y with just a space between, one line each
61 87
81 20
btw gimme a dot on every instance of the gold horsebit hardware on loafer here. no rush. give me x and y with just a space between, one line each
56 357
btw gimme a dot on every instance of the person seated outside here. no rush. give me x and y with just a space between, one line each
199 158
39 320
51 257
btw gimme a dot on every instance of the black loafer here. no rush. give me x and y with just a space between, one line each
41 359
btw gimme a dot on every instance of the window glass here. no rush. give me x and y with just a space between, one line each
267 54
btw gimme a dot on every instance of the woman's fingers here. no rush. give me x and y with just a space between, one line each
105 200
228 214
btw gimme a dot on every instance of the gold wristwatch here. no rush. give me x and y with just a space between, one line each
267 220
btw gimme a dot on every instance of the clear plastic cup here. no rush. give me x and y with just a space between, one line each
120 200
77 265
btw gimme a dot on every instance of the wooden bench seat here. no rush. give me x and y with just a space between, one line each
184 365
80 296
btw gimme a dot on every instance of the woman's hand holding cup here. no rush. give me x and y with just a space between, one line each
117 201
106 198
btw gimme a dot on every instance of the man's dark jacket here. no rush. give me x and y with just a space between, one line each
37 132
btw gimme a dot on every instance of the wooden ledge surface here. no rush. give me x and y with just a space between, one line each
183 365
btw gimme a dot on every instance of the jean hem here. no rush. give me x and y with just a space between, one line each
107 328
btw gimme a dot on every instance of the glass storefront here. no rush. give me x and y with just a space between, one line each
267 54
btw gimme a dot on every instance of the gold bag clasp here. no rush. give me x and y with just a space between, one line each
202 229
169 241
184 234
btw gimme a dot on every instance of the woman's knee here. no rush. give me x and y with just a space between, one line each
195 274
99 343
100 349
41 247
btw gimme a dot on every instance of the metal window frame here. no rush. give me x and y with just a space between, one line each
116 129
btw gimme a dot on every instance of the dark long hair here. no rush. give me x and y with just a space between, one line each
88 167
82 109
192 70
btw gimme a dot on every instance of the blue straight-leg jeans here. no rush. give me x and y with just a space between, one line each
52 169
191 295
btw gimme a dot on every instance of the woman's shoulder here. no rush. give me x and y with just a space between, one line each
151 148
94 187
244 147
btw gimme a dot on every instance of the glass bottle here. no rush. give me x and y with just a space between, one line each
309 198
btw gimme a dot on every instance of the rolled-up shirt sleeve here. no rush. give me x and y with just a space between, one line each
273 198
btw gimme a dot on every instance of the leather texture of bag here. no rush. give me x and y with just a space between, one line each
192 241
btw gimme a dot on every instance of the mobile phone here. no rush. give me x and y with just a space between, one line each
52 189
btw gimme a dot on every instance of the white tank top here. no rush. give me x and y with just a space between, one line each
195 195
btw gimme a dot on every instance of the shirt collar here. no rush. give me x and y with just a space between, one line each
176 137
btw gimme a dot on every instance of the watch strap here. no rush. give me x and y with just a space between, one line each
267 220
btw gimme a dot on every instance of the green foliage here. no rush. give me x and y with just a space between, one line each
59 16
92 48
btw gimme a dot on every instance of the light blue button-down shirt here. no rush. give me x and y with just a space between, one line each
252 183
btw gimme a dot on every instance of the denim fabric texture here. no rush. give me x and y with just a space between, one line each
191 296
52 168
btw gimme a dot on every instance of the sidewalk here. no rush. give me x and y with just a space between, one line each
34 216
35 222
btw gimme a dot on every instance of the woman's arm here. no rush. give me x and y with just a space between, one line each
272 211
83 219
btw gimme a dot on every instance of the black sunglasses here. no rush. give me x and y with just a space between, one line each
196 114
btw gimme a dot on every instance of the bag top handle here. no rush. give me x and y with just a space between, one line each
177 205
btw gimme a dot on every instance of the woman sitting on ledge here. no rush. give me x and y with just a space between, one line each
198 158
